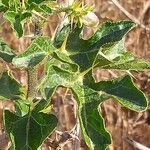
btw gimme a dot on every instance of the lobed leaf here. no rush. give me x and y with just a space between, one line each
89 96
115 56
29 131
5 52
85 53
10 88
123 90
91 122
35 53
17 20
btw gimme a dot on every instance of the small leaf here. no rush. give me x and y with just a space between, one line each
29 131
5 2
37 51
40 8
123 90
36 1
17 20
3 8
9 88
5 52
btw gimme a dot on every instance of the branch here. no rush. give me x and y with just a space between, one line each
136 144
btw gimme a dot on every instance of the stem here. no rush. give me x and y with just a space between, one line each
32 82
39 15
23 4
32 76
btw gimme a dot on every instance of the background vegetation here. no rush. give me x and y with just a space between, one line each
120 122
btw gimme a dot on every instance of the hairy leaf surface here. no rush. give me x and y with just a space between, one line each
35 53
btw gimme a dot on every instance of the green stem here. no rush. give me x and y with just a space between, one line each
23 4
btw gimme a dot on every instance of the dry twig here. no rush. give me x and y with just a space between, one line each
129 15
136 144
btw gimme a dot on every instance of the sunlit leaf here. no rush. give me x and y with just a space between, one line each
17 20
35 53
123 90
89 96
85 53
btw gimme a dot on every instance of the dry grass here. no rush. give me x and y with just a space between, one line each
119 121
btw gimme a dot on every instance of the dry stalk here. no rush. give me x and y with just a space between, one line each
136 144
129 15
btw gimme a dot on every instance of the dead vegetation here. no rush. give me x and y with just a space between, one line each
122 123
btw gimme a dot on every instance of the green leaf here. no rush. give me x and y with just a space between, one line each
115 56
35 53
21 107
56 77
5 2
105 47
89 96
10 88
17 20
36 1
46 9
92 124
136 64
123 90
29 131
59 55
3 8
85 53
41 8
5 52
3 5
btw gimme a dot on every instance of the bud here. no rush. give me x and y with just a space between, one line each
65 3
90 20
